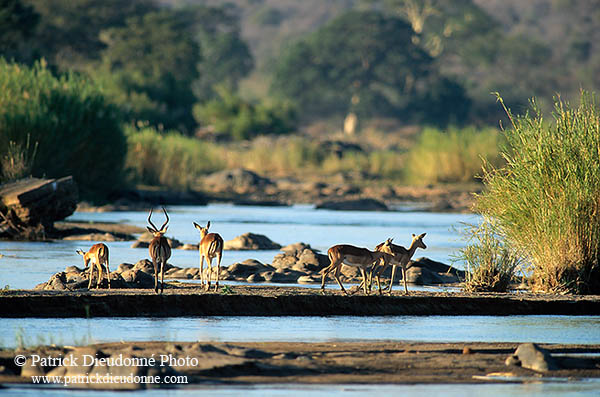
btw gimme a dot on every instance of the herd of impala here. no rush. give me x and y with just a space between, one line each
211 247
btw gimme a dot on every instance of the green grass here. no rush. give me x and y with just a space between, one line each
546 199
451 156
490 263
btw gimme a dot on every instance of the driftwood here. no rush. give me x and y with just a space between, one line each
29 207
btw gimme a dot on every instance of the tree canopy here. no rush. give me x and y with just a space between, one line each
365 62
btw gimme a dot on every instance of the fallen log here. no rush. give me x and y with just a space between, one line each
29 207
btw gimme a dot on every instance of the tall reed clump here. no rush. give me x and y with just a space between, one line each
546 199
455 155
17 162
490 263
169 158
76 131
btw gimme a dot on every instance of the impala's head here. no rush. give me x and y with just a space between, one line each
418 241
203 230
156 232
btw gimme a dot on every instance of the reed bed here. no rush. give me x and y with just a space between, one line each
546 199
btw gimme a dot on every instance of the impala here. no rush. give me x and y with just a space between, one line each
211 246
98 256
351 256
400 257
160 250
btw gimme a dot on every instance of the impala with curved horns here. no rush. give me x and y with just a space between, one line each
160 250
211 246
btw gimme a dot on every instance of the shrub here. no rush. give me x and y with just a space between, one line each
168 159
76 132
490 264
231 115
545 200
454 155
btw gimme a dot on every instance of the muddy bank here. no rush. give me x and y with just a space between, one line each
189 300
285 362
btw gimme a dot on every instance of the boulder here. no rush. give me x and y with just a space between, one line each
237 180
364 204
534 357
251 241
242 270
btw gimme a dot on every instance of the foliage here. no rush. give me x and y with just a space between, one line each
490 264
226 57
545 199
363 62
453 155
17 24
231 115
17 162
168 159
69 31
76 131
154 56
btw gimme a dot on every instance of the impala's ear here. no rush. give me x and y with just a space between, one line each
208 225
414 235
164 229
422 235
197 226
150 229
80 252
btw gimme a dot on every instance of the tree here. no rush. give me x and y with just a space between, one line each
363 61
17 25
68 35
153 61
226 57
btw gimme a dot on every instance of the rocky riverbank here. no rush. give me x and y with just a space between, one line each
305 363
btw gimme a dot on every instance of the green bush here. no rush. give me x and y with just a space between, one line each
490 263
68 120
231 115
168 159
454 155
545 200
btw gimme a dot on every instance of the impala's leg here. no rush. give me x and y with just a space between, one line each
336 275
201 269
209 270
392 279
155 275
162 275
325 273
363 272
91 275
218 270
107 273
381 270
99 266
404 279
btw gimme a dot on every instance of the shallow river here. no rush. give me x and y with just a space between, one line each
26 264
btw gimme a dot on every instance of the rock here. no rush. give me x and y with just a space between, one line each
30 369
124 266
365 204
512 360
534 357
189 247
242 270
251 241
309 279
255 278
136 278
94 237
420 276
238 180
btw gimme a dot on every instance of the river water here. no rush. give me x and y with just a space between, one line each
24 265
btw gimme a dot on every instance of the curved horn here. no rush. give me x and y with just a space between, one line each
167 221
149 221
